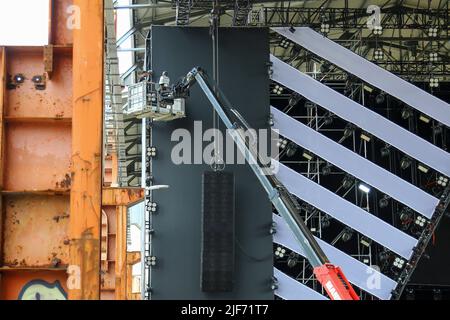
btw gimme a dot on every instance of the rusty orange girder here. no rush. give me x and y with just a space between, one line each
51 167
87 140
35 162
115 281
51 157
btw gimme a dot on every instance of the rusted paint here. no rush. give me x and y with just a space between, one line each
122 196
53 102
121 253
2 134
36 175
35 231
104 243
2 111
108 279
84 253
116 202
37 157
87 121
132 259
48 60
61 13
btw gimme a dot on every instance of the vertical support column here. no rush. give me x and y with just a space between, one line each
121 252
85 200
2 142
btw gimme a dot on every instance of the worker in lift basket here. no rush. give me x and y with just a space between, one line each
164 89
164 81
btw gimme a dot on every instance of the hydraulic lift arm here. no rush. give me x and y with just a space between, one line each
331 277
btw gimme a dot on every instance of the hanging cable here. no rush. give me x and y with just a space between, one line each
217 162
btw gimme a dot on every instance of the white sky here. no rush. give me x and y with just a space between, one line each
24 22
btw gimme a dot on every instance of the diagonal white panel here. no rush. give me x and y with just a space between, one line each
359 274
346 212
370 72
291 289
353 163
366 119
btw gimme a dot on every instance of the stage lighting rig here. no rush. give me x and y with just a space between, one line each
280 252
325 28
423 168
348 182
328 120
293 260
384 202
378 30
284 43
326 170
437 129
424 118
325 221
380 98
365 241
291 149
347 234
378 54
433 56
434 82
385 151
405 162
407 113
364 188
278 90
433 32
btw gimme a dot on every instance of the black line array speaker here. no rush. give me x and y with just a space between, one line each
218 232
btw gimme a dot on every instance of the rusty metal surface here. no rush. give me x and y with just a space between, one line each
53 102
35 231
87 120
44 178
60 34
108 277
37 157
122 196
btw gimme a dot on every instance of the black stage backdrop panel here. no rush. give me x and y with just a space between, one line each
433 271
177 242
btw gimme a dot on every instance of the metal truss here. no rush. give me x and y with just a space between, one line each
183 13
241 12
354 18
405 43
410 63
367 252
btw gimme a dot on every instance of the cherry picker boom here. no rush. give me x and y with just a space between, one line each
330 276
163 102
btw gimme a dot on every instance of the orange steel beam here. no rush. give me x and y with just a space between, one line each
2 136
132 259
87 127
121 199
121 253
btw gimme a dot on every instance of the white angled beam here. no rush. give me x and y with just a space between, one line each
291 289
354 164
363 117
359 274
369 72
346 212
